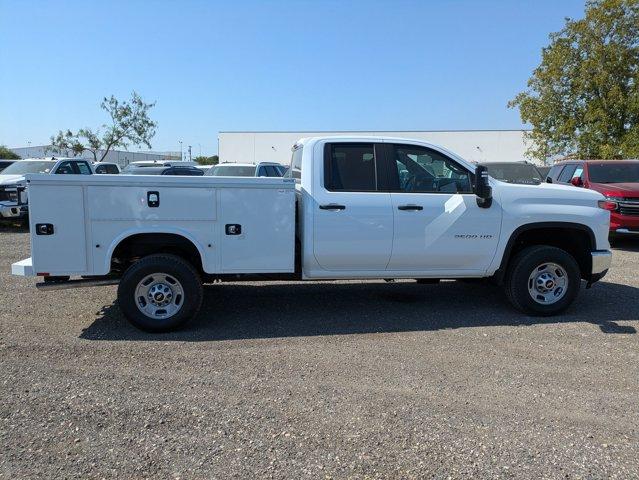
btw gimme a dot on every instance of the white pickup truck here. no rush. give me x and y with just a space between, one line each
348 208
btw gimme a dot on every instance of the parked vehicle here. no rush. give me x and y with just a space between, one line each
13 195
544 171
155 167
204 168
262 169
184 171
5 163
617 180
106 168
349 208
523 173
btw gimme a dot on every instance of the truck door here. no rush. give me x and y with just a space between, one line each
353 219
438 225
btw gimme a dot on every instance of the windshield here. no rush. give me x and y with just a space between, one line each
20 168
608 172
522 173
232 171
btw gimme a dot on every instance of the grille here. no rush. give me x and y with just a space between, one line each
629 209
9 195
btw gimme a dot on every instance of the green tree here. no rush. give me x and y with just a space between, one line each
7 154
583 99
129 125
212 160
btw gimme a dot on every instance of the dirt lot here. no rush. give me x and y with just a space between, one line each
332 380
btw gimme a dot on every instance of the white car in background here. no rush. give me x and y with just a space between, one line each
262 169
13 195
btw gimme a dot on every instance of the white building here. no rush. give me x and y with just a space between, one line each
474 145
121 157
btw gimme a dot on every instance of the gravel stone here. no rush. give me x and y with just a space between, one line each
321 380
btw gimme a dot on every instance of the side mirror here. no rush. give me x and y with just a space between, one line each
483 190
577 182
548 180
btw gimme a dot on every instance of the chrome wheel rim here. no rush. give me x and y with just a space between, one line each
548 283
159 296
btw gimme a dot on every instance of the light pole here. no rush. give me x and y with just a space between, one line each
189 153
181 158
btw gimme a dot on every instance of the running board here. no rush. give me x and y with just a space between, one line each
79 283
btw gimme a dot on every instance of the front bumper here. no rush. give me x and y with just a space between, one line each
13 210
601 260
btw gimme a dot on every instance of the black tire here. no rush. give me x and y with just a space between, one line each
522 267
175 267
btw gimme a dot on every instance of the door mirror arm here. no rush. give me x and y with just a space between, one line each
483 190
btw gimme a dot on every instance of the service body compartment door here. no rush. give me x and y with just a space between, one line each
62 250
257 230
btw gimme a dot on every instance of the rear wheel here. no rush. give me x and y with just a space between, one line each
160 293
543 280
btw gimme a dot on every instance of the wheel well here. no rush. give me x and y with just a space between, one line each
577 241
134 247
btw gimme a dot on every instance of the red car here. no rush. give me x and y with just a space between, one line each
617 180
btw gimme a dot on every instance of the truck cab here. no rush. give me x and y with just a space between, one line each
347 208
13 198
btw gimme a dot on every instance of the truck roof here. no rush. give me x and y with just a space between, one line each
381 139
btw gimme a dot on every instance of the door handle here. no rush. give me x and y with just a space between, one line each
332 206
410 207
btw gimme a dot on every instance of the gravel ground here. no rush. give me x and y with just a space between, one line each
331 380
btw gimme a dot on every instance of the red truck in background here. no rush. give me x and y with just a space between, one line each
617 180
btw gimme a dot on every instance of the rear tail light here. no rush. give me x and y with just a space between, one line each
608 205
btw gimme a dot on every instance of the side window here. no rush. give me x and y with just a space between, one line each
350 167
261 172
579 171
83 168
295 170
554 172
271 171
566 173
422 170
65 168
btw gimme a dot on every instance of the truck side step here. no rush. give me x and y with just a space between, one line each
79 283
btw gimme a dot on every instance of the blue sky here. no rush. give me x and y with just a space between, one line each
267 65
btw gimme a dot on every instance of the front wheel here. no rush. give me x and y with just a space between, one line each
160 293
543 280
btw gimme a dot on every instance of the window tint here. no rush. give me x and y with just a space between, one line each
272 171
295 170
65 168
617 172
566 173
350 167
110 169
261 172
83 168
555 171
422 170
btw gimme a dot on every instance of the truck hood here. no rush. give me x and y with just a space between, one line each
617 189
11 179
549 193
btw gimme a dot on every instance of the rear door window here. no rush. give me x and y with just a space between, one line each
566 173
65 168
83 168
350 167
